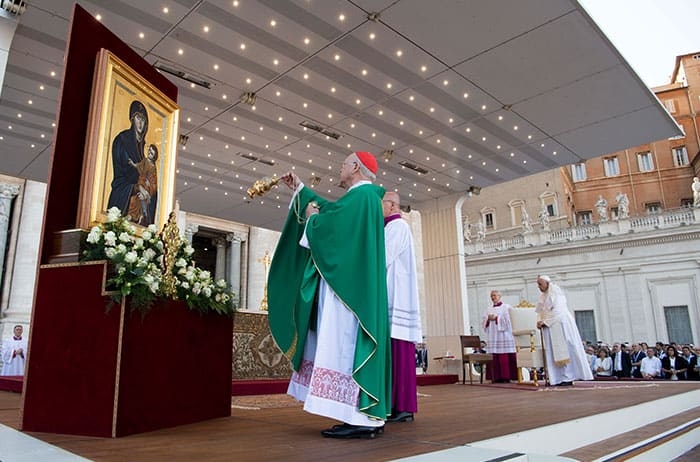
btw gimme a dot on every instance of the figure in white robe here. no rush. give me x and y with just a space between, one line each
404 309
566 358
14 353
501 343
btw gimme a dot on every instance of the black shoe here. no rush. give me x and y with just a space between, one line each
565 384
347 431
380 430
401 417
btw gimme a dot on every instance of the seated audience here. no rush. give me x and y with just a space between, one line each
651 365
673 366
660 350
692 372
622 364
590 354
638 353
603 364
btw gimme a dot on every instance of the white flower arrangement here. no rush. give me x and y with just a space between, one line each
138 267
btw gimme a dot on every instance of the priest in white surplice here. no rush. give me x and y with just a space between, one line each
501 341
566 359
14 353
404 310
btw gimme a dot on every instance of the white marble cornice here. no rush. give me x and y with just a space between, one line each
8 190
237 237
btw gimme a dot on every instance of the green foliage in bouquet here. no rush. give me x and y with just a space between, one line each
137 264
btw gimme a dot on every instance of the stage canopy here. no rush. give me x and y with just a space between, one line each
447 94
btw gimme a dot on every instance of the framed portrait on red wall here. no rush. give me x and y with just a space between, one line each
131 148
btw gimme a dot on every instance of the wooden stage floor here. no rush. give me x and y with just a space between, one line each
274 427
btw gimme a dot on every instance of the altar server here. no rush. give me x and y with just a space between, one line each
14 353
404 310
501 342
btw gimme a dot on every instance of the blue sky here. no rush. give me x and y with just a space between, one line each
645 34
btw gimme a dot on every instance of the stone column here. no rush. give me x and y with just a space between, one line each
190 230
7 193
220 271
243 298
447 309
234 264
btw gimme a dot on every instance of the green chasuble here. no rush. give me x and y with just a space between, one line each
347 250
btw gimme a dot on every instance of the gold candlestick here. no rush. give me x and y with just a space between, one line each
262 186
265 260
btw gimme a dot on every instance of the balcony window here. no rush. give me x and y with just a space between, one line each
612 166
678 324
670 105
680 156
645 161
653 208
578 171
585 321
584 218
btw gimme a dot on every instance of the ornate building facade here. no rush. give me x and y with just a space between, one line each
655 176
618 232
629 280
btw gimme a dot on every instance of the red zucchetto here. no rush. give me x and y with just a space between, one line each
368 161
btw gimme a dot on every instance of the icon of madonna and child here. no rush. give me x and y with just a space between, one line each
134 163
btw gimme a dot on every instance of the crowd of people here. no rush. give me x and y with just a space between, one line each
641 361
623 360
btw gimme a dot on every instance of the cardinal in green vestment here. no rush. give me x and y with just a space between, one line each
327 300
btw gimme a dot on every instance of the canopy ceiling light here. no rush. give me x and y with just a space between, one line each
414 167
254 158
318 128
249 98
474 190
188 76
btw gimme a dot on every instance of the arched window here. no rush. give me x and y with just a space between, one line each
516 211
488 218
549 200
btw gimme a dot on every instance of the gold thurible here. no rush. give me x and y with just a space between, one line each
263 185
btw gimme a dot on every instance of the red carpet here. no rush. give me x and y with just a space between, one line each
273 386
258 387
578 385
11 383
252 387
436 379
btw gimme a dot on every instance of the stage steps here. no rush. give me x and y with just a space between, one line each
666 433
660 430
